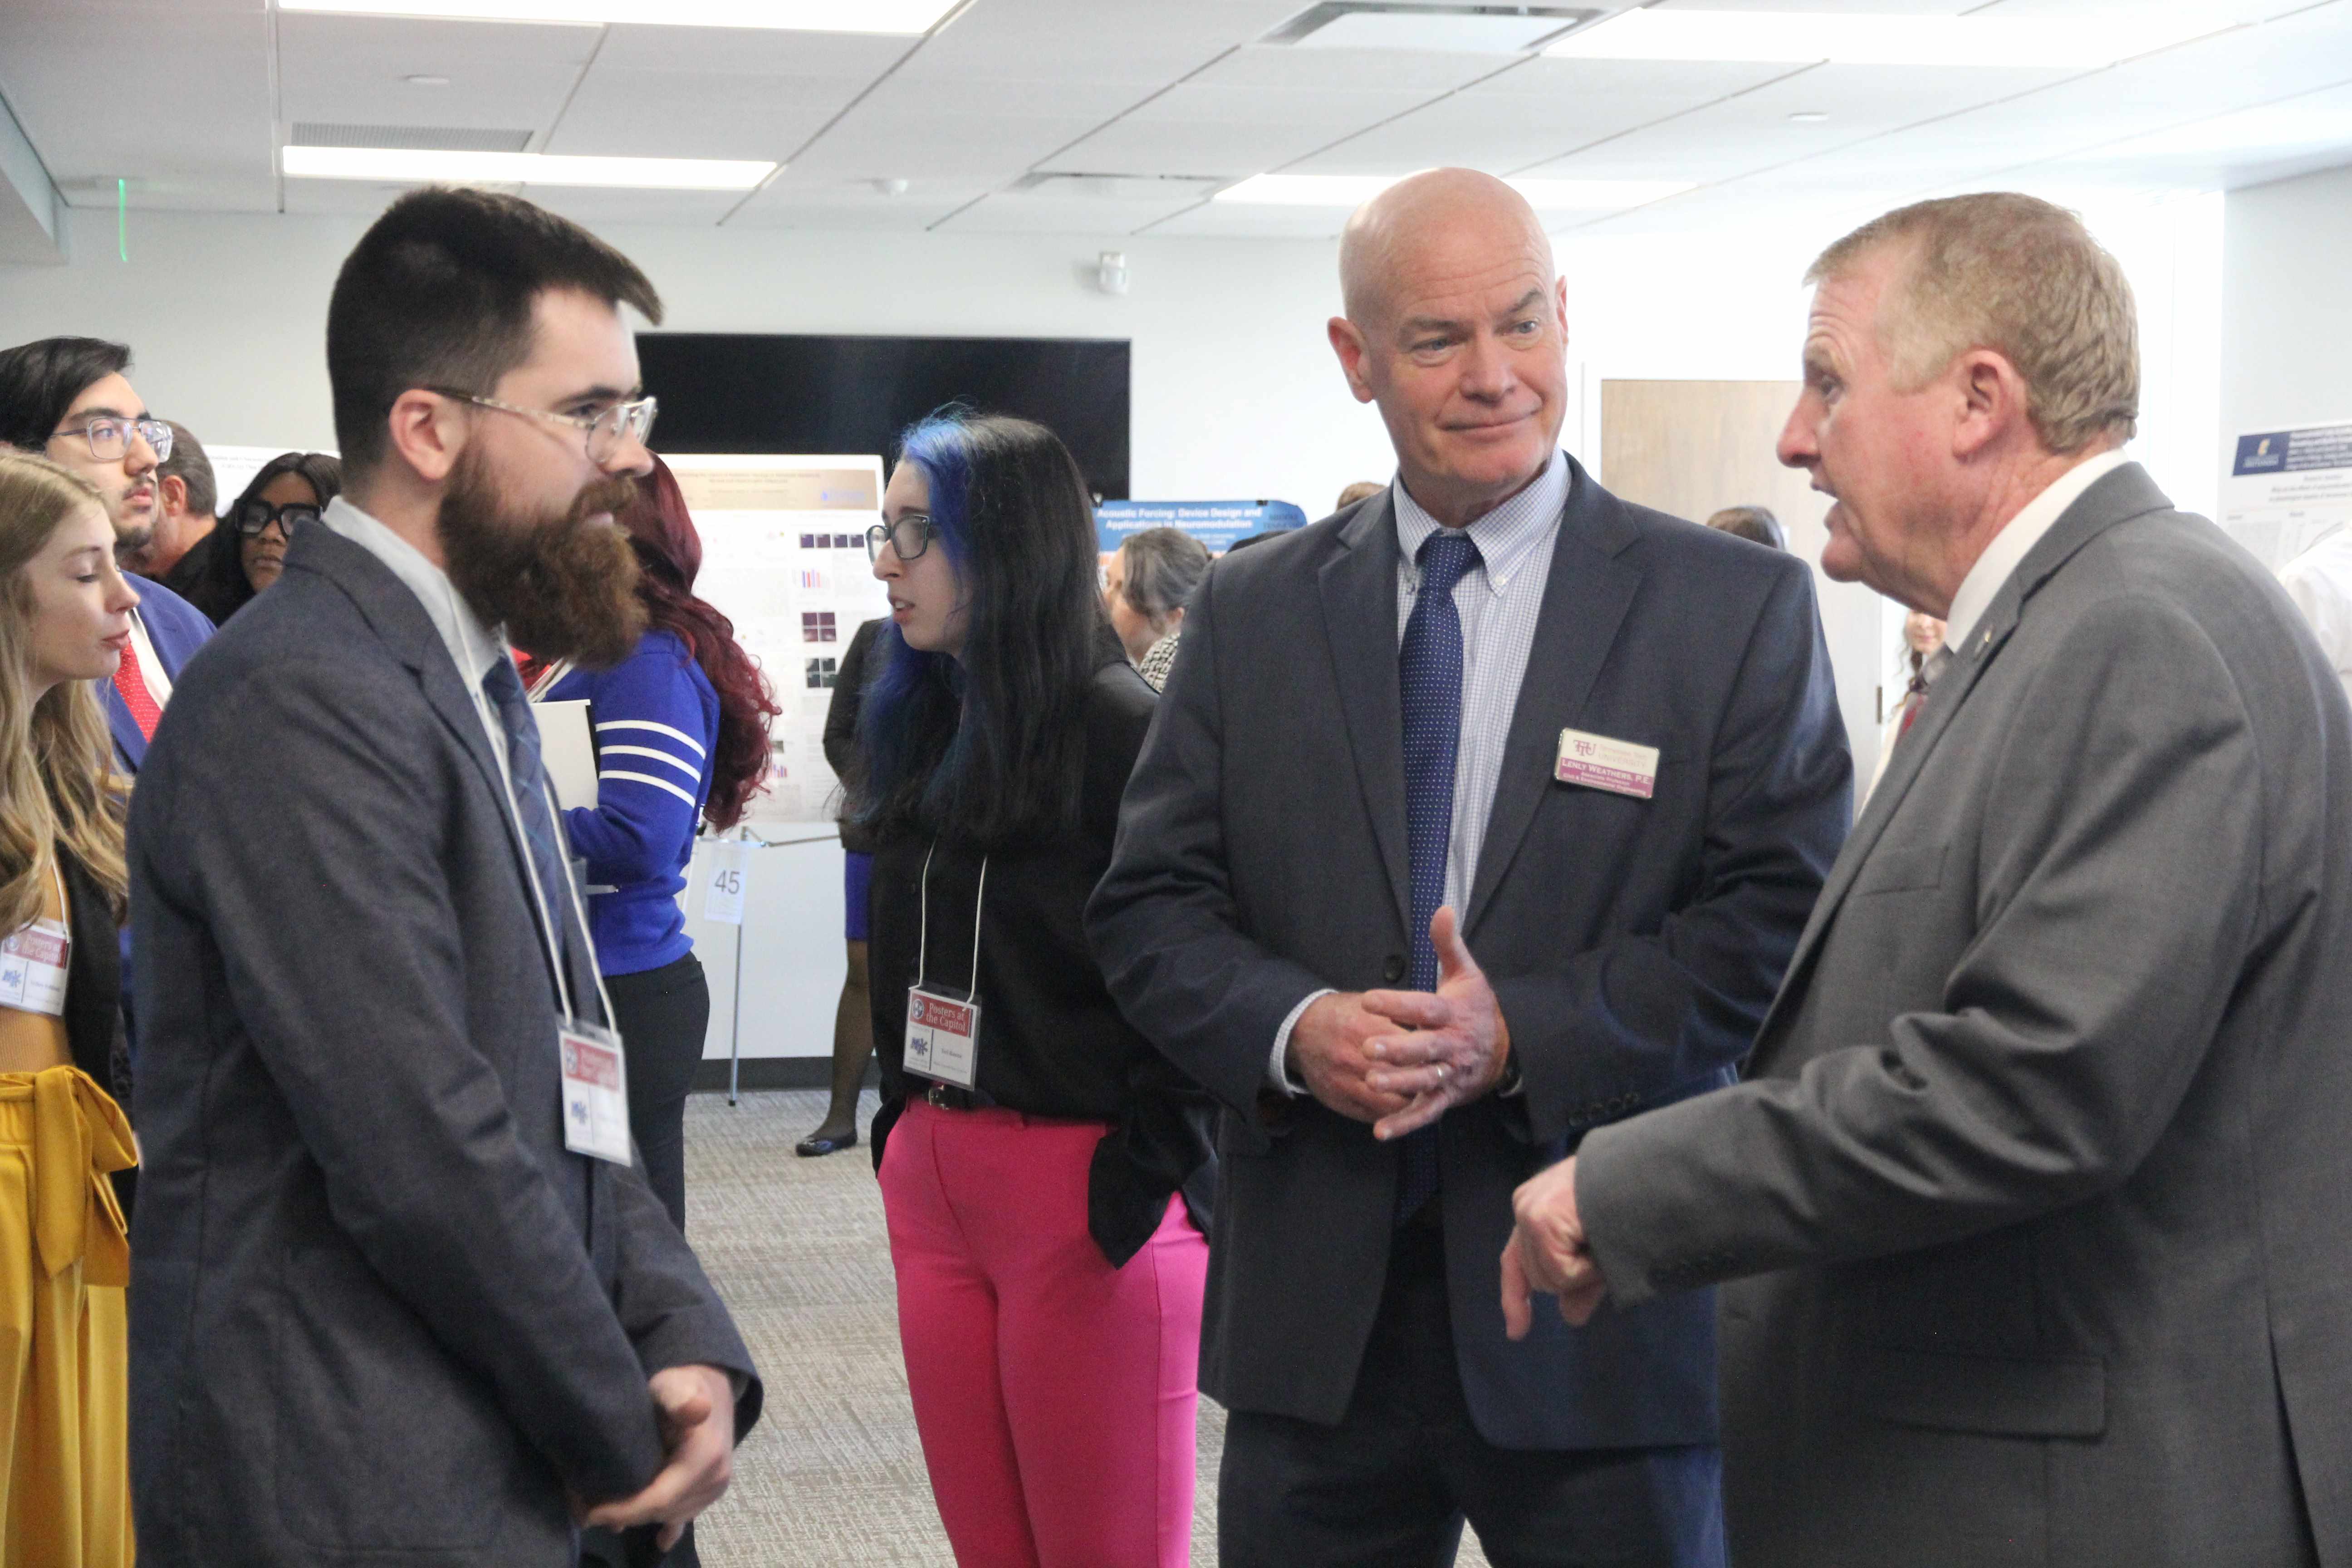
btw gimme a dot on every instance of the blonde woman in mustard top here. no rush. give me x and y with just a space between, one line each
65 1484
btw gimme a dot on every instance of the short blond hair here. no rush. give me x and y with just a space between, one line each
2018 276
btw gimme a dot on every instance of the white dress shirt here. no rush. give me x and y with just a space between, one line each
2013 543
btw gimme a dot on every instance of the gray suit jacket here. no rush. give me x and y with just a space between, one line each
1633 943
2048 1152
378 1314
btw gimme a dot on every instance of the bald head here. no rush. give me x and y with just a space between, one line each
1457 327
1428 226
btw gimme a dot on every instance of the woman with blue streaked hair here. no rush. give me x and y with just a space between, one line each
1046 1175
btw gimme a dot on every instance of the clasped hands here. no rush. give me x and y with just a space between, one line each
1399 1059
697 1406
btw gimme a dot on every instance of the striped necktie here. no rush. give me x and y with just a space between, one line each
504 687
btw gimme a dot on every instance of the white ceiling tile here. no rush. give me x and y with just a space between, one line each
1752 130
751 51
175 99
677 114
353 70
1146 42
1023 213
1536 112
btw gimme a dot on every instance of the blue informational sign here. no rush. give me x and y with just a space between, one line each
1215 523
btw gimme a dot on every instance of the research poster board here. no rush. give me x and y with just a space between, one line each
2287 489
783 557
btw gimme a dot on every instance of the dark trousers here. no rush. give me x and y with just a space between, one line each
663 1014
1391 1485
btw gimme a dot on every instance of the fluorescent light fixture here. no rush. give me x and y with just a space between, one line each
1355 190
1805 38
788 16
1422 26
407 165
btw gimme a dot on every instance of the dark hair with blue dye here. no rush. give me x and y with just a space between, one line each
991 748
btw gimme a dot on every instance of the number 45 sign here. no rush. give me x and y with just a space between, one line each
726 871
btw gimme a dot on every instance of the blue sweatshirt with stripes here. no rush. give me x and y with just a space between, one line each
657 723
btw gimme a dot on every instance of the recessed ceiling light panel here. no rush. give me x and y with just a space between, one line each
423 166
1423 26
893 16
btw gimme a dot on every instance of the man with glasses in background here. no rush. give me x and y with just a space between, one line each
403 1288
68 399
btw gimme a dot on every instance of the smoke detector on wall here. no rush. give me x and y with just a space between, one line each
1425 25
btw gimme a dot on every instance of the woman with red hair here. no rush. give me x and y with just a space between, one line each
681 729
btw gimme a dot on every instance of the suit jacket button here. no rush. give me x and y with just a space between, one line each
1393 968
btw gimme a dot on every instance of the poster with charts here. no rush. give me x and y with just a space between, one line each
2288 489
783 557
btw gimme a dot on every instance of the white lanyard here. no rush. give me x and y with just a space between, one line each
923 943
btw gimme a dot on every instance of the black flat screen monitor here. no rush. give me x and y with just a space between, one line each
789 393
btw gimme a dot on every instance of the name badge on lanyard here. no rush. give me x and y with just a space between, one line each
33 968
33 961
943 1029
595 1092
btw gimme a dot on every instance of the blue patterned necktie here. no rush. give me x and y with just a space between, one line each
504 685
1429 671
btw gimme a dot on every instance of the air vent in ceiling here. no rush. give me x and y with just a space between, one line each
1422 25
408 138
1122 187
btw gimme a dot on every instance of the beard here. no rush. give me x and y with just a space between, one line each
564 584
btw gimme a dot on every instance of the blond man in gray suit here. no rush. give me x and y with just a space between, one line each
2036 1208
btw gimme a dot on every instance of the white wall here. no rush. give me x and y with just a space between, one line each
2286 313
1235 393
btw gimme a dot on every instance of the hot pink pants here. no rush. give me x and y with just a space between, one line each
1055 1393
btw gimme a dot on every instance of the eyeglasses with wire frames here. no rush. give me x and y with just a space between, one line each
255 515
109 437
910 536
603 431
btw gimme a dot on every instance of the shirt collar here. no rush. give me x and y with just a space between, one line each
1504 536
473 648
2010 546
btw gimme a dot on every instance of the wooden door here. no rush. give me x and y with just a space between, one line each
1691 448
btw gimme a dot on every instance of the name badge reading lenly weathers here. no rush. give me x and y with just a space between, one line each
942 1037
1596 761
595 1092
33 968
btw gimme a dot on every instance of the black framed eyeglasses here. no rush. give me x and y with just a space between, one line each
603 431
109 437
910 536
256 515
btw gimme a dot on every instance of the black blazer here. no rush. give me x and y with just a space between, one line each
377 1310
94 982
1634 944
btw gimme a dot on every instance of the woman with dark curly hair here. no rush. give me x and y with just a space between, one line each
681 730
246 550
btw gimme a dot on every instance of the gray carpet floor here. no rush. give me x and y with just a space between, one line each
833 1473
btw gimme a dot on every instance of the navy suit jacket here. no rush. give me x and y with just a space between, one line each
177 628
1634 944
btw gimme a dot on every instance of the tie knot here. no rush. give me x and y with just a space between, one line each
1446 555
503 682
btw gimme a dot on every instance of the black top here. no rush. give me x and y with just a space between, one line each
1052 1042
93 1018
841 727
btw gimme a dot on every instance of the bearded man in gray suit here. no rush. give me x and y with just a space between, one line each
2037 1202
